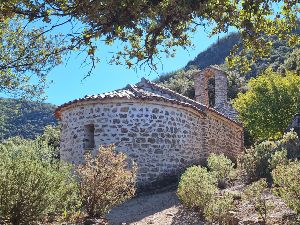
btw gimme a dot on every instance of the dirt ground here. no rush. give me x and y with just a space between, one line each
164 208
159 209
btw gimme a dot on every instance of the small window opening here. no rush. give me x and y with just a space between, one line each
89 140
211 91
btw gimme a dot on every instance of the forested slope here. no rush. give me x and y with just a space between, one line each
24 118
281 58
28 119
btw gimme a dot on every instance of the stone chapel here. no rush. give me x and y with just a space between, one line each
162 131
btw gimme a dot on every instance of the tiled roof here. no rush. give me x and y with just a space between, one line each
145 90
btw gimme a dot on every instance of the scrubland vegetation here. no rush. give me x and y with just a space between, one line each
35 186
267 167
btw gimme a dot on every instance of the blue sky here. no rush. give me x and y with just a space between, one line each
68 82
67 78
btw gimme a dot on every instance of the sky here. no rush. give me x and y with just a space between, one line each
68 83
67 78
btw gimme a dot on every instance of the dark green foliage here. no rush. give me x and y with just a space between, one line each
24 118
180 81
278 60
259 160
292 62
51 136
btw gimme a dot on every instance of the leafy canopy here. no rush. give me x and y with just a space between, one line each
26 56
267 108
24 118
146 28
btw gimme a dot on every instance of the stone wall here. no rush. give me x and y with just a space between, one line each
223 136
163 138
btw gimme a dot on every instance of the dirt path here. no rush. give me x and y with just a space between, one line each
165 209
161 209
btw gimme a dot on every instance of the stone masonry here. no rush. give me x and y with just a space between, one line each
201 90
162 131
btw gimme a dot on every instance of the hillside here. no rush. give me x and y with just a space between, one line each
214 54
281 58
217 52
28 119
24 118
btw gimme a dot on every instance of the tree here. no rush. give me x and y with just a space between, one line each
267 108
180 81
26 56
24 118
292 62
148 28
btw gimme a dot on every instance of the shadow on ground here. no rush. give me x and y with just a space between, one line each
159 209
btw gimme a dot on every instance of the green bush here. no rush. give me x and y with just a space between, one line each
278 158
31 183
51 135
257 161
254 194
221 167
218 209
105 181
196 187
287 184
